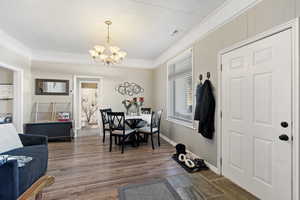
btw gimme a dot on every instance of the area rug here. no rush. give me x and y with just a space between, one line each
152 190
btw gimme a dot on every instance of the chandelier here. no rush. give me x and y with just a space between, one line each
107 54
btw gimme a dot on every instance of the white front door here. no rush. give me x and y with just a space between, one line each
256 105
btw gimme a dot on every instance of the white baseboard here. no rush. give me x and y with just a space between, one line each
173 143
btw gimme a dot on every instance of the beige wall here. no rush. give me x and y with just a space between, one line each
35 74
6 76
112 76
263 16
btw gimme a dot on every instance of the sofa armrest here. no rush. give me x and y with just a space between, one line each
9 184
29 140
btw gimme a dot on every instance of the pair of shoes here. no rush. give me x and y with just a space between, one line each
200 164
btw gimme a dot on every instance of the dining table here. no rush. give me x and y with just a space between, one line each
135 122
138 121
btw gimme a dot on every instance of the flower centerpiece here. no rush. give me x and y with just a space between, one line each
138 102
127 104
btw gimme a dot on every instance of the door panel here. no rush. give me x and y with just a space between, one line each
256 98
236 157
262 95
263 160
236 93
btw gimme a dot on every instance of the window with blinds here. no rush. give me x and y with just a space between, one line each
180 91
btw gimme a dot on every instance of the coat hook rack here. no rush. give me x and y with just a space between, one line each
208 75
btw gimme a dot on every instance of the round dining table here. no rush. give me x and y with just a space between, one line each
136 122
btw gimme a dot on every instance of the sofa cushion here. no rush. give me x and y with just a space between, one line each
9 138
33 170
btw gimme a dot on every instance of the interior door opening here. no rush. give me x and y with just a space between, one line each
89 104
87 100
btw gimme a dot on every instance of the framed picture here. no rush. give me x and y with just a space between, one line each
51 87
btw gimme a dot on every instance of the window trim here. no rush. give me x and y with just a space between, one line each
170 62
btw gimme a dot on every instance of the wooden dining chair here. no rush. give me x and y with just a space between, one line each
154 127
118 128
105 123
146 110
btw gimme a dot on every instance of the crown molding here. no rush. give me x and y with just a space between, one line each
11 43
64 57
222 15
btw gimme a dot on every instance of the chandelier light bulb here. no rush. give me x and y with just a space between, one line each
103 56
114 49
122 54
99 49
93 53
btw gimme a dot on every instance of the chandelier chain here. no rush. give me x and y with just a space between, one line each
108 38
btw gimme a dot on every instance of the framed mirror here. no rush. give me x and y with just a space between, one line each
51 87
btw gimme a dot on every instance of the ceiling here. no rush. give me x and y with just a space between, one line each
141 27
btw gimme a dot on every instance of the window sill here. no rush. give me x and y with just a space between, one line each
182 123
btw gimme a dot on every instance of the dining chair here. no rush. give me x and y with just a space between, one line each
118 128
105 123
146 110
154 127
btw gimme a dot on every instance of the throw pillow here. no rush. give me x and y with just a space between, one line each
9 138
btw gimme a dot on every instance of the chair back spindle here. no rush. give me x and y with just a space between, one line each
116 121
104 119
155 120
104 115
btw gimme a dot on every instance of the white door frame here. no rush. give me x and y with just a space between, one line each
18 95
293 25
75 96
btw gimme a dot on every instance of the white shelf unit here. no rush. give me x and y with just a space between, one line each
6 100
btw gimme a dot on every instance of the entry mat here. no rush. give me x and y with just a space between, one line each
171 188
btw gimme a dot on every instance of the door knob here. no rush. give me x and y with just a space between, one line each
284 137
284 124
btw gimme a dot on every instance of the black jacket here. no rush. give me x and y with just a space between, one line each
198 101
206 111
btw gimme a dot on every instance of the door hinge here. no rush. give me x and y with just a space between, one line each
221 161
221 67
221 114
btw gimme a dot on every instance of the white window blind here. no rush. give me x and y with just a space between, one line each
180 95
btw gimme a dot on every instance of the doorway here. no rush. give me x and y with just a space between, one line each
89 104
87 100
259 145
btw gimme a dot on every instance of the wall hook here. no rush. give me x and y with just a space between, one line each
200 77
208 75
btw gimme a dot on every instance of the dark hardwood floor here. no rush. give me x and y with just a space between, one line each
85 170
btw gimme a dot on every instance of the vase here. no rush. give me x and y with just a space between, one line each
127 104
138 107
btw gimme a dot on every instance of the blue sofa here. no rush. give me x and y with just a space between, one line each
15 181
